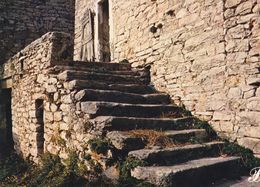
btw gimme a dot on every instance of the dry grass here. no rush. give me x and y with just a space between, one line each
172 115
153 138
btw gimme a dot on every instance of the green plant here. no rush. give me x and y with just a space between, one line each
100 146
205 125
61 142
54 173
12 167
249 161
125 167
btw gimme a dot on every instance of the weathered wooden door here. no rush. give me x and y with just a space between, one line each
87 40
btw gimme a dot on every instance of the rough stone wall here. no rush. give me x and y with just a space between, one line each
31 81
65 125
204 53
23 21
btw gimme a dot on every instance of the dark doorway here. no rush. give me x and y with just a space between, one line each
6 133
103 31
39 105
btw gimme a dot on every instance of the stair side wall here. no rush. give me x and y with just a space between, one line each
204 53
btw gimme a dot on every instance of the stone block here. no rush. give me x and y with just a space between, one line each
244 8
254 104
222 116
250 131
235 93
251 143
64 126
232 3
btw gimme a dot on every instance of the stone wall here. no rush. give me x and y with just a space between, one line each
204 53
31 82
46 111
23 21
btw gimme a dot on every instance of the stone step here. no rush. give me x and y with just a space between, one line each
61 68
95 108
188 135
114 123
121 97
126 140
69 75
193 173
90 84
96 65
178 154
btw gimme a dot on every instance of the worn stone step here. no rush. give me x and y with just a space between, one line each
178 154
96 65
188 135
95 108
91 84
61 68
112 123
69 75
121 97
126 140
193 173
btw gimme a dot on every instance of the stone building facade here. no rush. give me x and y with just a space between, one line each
23 21
204 53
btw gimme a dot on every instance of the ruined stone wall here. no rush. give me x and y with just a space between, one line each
31 81
23 21
204 53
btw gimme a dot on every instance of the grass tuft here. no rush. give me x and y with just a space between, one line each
153 138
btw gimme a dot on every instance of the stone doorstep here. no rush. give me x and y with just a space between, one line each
121 97
95 109
69 75
177 154
114 123
195 171
127 141
91 84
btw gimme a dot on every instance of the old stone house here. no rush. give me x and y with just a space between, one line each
62 90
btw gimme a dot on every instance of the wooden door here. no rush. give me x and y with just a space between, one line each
87 40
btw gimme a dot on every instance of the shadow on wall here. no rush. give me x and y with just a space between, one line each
25 21
6 137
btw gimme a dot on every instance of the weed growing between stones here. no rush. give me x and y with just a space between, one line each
248 159
125 178
205 125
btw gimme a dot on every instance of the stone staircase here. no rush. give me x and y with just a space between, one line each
121 101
